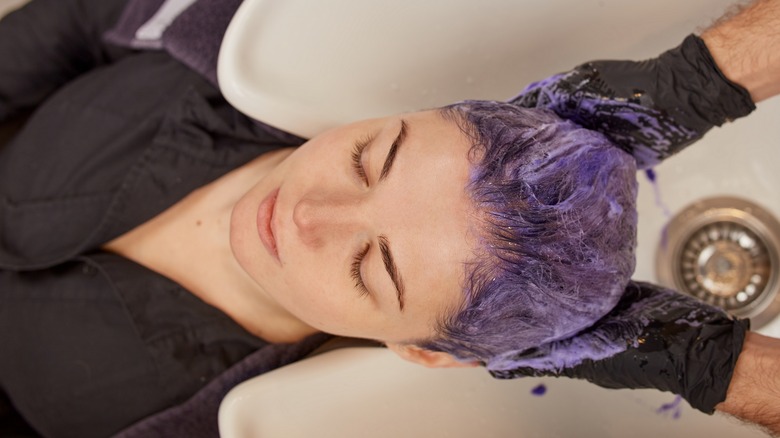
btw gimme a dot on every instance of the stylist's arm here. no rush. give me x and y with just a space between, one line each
657 338
654 338
655 108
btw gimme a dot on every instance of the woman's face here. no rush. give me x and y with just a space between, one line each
377 253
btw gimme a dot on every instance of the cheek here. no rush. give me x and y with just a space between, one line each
321 150
317 296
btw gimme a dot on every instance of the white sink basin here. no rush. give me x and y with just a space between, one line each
7 6
739 159
306 66
369 392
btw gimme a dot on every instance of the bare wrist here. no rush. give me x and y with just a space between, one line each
746 48
754 392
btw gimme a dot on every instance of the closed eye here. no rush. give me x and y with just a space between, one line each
357 157
357 260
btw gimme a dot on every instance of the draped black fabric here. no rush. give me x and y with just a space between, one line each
95 141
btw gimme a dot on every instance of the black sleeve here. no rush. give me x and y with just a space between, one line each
47 43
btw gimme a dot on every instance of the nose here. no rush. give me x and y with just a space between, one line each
321 218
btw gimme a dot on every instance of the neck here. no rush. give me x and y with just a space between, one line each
190 244
239 295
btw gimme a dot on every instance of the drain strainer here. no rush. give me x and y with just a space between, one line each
724 251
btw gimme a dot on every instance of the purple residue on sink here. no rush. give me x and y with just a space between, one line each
653 178
674 408
539 390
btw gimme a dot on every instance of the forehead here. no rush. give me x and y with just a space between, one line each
432 219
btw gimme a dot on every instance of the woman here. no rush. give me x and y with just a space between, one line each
172 236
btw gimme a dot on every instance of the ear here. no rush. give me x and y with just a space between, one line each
429 358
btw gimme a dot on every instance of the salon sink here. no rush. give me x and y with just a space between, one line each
307 66
369 392
7 6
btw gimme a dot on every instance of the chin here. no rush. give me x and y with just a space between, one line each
239 236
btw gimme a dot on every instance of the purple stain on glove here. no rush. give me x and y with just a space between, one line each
626 326
650 135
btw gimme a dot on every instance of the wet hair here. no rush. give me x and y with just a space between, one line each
556 232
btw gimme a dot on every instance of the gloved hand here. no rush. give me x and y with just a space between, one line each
654 338
652 109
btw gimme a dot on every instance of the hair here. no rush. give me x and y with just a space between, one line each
556 232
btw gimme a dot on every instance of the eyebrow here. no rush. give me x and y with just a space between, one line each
391 154
392 270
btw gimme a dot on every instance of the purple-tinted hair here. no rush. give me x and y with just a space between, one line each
557 232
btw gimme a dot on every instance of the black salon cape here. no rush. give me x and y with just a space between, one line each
91 342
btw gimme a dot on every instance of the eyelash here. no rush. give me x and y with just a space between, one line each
355 271
357 154
357 259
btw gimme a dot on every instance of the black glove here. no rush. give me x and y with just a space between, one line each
652 109
654 338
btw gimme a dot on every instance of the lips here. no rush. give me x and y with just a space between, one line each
265 216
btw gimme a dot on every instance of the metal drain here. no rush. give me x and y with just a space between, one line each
724 251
